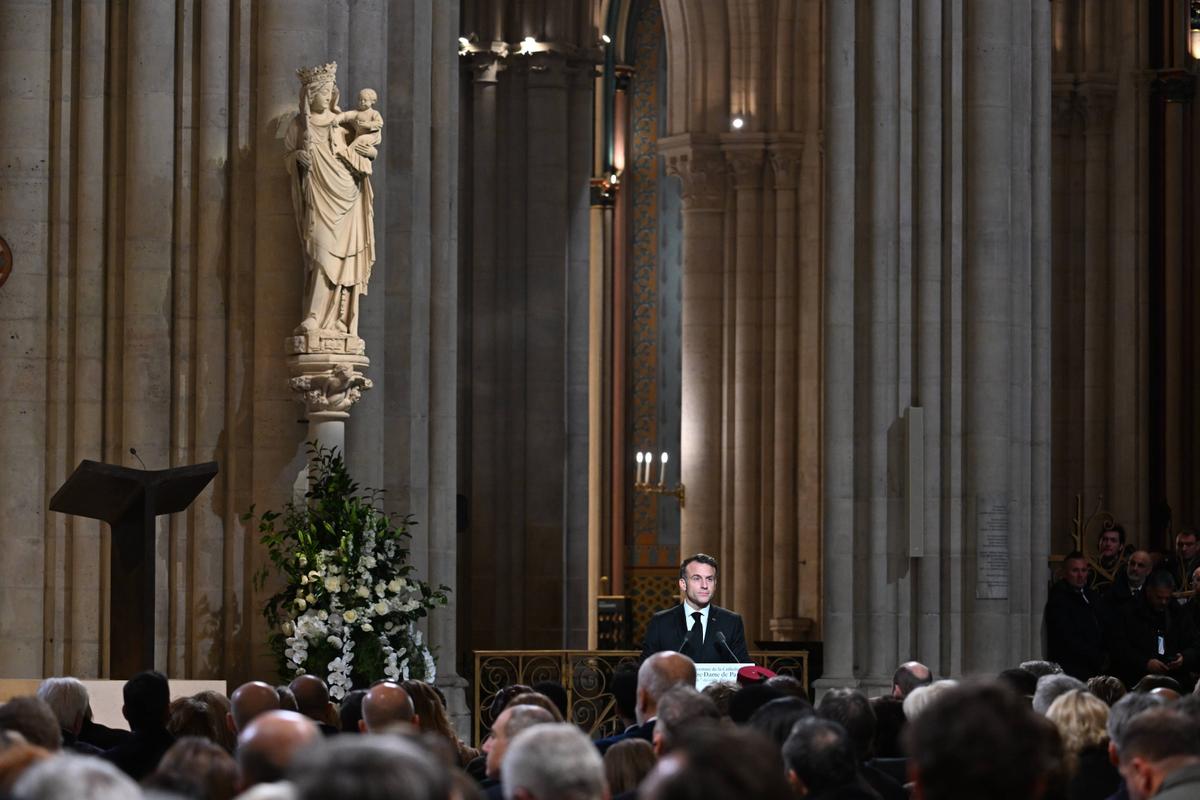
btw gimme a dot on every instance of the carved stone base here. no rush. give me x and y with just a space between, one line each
319 341
328 384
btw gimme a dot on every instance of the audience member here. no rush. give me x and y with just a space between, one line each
1107 688
681 708
512 721
74 776
983 742
147 700
889 722
624 692
312 700
247 702
219 706
789 685
656 675
197 768
538 699
1040 668
187 716
1050 687
1021 681
750 699
1184 560
287 699
1121 714
852 711
431 715
350 711
776 719
626 764
1111 544
553 762
386 706
101 736
503 698
721 693
716 762
922 696
1074 635
1129 582
909 676
15 760
821 761
67 699
267 745
1160 756
1149 683
1080 718
370 768
557 694
1152 635
34 720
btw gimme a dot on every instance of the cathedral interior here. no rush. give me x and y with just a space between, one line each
901 290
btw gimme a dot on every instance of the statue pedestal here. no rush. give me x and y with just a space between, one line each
328 383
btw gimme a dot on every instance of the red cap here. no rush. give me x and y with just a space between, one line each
754 674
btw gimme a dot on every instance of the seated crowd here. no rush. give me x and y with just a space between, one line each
1030 732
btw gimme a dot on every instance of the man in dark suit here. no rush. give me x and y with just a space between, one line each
696 627
1074 632
658 674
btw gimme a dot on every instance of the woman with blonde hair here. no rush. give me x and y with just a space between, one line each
1081 718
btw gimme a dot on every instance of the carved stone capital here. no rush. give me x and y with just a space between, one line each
785 160
700 167
328 385
744 152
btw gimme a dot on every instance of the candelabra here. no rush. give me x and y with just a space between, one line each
641 479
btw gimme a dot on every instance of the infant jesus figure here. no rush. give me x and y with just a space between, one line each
367 124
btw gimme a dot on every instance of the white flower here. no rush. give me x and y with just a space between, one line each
302 560
300 603
303 580
380 588
381 607
363 591
350 615
369 561
332 584
322 615
335 641
396 585
366 626
310 598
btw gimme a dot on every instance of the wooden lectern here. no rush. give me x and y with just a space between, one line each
129 500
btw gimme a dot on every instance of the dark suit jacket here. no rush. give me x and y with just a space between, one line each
668 629
1074 634
644 731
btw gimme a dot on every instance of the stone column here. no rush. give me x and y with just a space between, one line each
698 163
785 157
741 547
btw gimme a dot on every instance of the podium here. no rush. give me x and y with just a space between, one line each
129 500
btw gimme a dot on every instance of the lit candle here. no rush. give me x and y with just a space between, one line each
637 475
662 472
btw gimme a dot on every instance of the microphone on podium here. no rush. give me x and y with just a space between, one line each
720 637
133 453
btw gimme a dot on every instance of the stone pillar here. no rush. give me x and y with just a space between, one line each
947 318
784 617
741 545
699 164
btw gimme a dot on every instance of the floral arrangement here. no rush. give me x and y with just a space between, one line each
349 608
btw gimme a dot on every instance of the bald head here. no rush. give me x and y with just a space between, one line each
268 744
909 676
312 697
385 704
248 701
657 674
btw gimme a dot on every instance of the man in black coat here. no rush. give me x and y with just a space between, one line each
705 632
1153 636
1074 636
147 699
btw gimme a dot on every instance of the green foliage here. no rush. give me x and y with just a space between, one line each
350 600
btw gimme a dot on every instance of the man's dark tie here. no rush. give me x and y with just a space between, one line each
696 635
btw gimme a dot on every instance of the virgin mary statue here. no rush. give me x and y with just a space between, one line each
333 203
